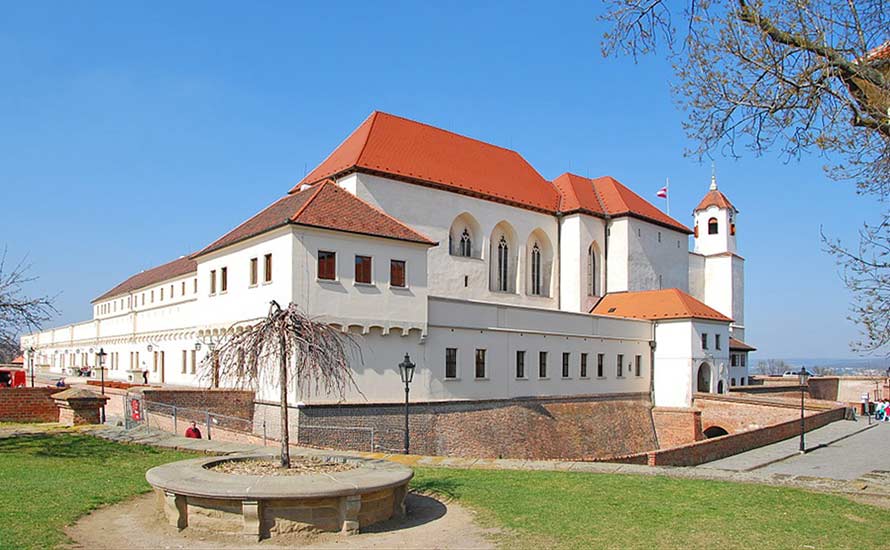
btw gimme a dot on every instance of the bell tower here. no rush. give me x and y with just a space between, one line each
715 219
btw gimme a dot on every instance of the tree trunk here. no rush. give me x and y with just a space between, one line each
285 435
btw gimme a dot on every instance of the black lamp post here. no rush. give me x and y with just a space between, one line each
209 341
100 360
406 371
803 376
31 351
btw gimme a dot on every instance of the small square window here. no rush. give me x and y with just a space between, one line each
363 269
397 273
327 265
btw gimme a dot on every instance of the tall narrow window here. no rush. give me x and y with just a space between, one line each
480 363
712 226
542 364
212 281
638 365
520 364
600 360
153 296
450 362
583 365
171 292
183 289
254 269
162 294
363 269
704 340
154 362
224 279
566 357
466 244
267 268
195 285
536 270
591 272
619 368
193 362
716 341
397 273
327 265
503 268
184 360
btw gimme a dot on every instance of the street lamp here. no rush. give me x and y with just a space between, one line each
406 371
101 364
802 376
209 341
31 351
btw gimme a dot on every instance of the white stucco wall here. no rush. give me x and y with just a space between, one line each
679 355
578 233
723 240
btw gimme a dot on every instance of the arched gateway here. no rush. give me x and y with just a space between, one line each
703 380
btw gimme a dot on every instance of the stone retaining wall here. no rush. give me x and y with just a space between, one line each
28 405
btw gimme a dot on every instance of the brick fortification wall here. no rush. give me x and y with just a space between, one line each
534 428
234 403
28 405
677 426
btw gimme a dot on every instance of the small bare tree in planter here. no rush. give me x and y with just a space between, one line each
288 347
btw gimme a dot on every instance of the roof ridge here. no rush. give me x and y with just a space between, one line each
317 189
599 199
373 117
477 140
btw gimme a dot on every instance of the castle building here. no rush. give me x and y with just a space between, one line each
498 283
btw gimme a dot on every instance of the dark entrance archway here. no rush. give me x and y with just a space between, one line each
703 380
715 431
720 386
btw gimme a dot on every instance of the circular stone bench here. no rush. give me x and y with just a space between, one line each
191 495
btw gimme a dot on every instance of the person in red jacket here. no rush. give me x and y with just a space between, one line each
193 432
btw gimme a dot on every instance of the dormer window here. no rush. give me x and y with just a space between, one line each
712 226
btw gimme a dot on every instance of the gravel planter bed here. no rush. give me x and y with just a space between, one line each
298 467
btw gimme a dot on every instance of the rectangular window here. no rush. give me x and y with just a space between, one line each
363 269
743 357
600 361
619 365
162 294
193 361
195 285
542 364
152 296
583 365
182 290
254 271
716 341
327 265
267 268
520 364
184 361
566 357
224 279
450 362
733 360
638 365
154 362
480 363
213 281
171 292
704 340
397 273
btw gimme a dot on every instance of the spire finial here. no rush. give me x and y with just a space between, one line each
713 177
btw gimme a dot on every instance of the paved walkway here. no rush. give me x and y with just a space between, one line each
816 441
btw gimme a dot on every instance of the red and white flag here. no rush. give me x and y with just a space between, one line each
662 193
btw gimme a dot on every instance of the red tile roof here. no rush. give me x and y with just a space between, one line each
736 344
324 205
607 196
395 146
170 270
881 52
714 198
20 360
655 305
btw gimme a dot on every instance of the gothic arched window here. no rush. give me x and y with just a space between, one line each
466 244
536 270
591 271
503 264
712 226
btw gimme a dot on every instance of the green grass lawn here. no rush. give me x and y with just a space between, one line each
47 481
576 510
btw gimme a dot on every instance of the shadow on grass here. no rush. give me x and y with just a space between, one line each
73 446
445 486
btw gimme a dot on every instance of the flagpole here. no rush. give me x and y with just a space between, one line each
668 198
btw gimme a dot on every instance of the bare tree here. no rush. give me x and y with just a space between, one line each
800 75
19 312
772 367
290 349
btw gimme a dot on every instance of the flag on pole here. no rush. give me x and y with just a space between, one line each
662 193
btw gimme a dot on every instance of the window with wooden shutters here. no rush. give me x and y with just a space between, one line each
327 265
397 273
363 269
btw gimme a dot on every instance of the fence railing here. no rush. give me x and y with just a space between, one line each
176 419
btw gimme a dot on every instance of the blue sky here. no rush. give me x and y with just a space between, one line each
133 133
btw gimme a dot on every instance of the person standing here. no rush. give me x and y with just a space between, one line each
193 432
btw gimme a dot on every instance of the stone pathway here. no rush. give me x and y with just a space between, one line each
874 485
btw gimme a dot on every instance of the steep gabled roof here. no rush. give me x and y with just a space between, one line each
715 198
738 345
608 196
402 148
324 205
176 268
655 305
